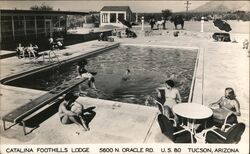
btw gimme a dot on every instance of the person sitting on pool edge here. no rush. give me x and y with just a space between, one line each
172 97
72 112
83 73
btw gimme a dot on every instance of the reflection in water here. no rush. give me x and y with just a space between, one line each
149 68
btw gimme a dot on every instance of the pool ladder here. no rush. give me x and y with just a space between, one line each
52 56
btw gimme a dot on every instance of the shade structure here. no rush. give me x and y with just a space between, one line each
222 25
125 22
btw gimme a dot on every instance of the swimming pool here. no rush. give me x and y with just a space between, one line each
150 66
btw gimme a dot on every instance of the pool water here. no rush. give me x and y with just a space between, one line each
150 67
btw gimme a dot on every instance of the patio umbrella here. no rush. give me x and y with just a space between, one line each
125 22
222 25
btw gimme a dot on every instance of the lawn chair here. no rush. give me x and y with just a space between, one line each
32 51
216 135
228 118
160 101
172 130
20 52
110 39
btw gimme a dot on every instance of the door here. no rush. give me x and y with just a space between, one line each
48 27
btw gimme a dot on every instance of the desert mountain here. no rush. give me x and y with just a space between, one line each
223 6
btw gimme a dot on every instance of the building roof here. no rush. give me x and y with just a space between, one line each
116 8
41 12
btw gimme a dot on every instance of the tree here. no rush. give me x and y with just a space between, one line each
43 7
166 13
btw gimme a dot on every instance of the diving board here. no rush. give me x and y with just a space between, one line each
18 115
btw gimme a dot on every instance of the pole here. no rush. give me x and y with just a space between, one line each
187 3
202 23
136 17
13 27
142 23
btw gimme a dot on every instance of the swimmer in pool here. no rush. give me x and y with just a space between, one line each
126 75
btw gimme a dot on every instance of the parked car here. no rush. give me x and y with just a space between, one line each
224 37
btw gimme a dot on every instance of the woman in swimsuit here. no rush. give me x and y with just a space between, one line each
20 51
32 50
172 97
83 73
226 105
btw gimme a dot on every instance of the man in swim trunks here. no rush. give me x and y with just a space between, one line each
67 116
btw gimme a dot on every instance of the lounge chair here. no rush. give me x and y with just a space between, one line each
228 121
222 118
216 135
20 52
173 131
161 100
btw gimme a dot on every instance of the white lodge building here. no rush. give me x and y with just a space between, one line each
109 15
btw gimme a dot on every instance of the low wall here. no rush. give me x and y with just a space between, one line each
43 43
88 25
71 39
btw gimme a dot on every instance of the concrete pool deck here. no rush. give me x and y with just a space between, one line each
221 65
6 54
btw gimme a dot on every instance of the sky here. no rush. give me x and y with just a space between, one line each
92 5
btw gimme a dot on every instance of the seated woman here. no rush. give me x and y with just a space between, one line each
227 105
20 51
71 111
172 97
32 50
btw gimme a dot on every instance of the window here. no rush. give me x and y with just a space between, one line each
19 26
104 18
40 26
6 26
112 17
30 26
121 16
